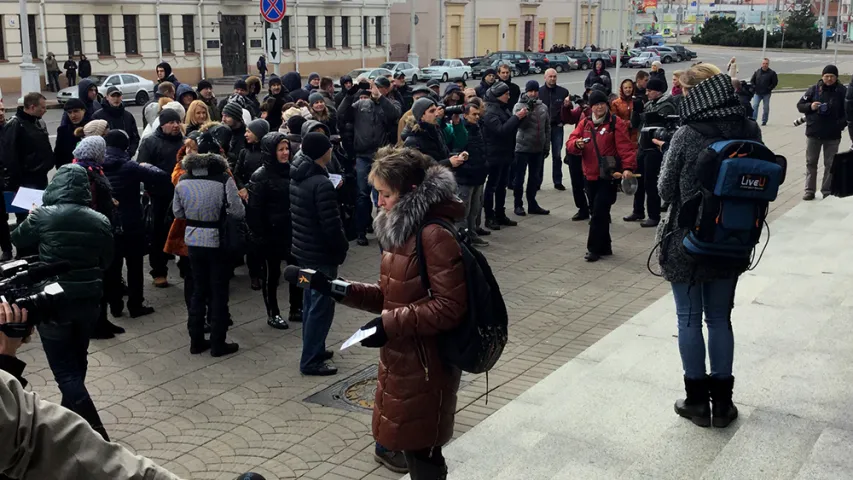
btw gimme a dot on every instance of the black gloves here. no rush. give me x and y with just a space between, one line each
379 338
354 89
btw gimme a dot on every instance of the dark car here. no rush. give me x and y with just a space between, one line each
538 64
608 60
584 62
560 62
684 53
519 59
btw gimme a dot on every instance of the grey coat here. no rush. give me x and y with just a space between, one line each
534 131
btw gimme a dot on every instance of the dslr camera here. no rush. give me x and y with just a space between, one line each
658 127
578 100
31 285
452 110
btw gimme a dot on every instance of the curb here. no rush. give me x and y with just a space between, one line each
50 105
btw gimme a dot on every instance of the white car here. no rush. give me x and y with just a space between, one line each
133 88
369 73
446 69
412 72
644 59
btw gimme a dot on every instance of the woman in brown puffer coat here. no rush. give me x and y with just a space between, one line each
416 394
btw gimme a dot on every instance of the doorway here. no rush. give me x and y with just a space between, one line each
528 36
233 45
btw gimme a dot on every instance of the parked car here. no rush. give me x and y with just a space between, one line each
133 88
494 64
520 60
538 64
644 59
370 73
560 62
582 59
667 54
410 70
445 69
608 60
684 52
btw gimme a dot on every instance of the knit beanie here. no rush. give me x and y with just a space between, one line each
177 107
532 85
489 71
596 97
204 84
95 128
233 110
656 84
830 69
314 98
274 79
312 76
420 107
208 144
222 135
117 139
294 124
315 145
241 84
91 149
498 89
259 127
451 88
74 104
169 115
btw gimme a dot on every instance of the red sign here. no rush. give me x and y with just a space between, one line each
650 4
273 10
541 35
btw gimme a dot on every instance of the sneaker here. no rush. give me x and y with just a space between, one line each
277 322
808 196
6 256
224 349
560 187
649 223
256 284
394 461
320 370
140 311
537 210
479 242
581 215
592 257
482 232
519 211
505 221
634 217
161 282
295 316
199 346
362 241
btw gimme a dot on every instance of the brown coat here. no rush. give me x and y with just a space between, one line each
623 108
416 394
175 241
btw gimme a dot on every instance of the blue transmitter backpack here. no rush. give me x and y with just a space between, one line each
738 178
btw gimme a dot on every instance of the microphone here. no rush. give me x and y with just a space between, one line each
307 278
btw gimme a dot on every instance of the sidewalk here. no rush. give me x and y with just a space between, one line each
10 100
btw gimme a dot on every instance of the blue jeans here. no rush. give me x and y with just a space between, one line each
756 101
363 204
716 299
557 144
318 311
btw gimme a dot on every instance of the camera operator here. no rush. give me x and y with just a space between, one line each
430 134
532 145
823 106
744 93
650 156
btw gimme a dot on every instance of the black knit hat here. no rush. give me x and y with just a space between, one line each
830 69
204 84
208 144
74 104
233 110
489 71
259 127
117 139
656 84
294 124
169 115
596 97
274 79
498 89
315 145
241 84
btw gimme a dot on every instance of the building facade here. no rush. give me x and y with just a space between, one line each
200 39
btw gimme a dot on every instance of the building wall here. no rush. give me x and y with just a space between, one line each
186 65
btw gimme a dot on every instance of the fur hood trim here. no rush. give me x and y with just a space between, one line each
207 161
394 228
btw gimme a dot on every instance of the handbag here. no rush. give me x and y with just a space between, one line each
607 165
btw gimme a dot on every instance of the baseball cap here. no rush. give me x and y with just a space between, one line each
113 90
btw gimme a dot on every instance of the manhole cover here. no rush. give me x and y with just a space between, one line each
355 393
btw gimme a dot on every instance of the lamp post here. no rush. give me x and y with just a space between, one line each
30 81
413 22
766 23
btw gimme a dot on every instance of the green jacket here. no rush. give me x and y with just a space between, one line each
66 228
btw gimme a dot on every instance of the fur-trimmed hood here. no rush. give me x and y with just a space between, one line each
213 163
435 197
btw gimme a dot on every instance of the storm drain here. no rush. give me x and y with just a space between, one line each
355 393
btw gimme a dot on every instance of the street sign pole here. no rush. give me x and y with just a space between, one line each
272 40
766 23
619 47
276 65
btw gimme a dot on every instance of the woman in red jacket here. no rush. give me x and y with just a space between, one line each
598 136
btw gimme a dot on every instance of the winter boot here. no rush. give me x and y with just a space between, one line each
696 406
725 411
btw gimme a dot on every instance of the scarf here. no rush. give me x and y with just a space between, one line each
712 99
597 121
90 166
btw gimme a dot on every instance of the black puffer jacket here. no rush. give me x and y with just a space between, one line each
120 119
238 143
125 176
268 215
25 152
372 122
63 152
474 170
274 117
251 158
429 140
318 233
499 129
160 150
826 126
292 83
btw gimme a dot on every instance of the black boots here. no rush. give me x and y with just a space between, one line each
697 405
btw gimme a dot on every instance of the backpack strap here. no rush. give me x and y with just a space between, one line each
419 248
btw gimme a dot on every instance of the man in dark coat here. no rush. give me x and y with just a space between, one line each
556 98
85 67
499 129
232 117
428 134
505 76
185 95
164 74
292 82
87 91
70 67
404 92
241 89
471 175
823 107
73 118
276 91
119 118
205 94
346 84
319 243
489 77
25 147
765 81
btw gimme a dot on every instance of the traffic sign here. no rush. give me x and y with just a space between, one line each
273 10
273 44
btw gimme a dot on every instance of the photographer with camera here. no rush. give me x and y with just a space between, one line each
823 107
651 120
499 128
433 136
532 145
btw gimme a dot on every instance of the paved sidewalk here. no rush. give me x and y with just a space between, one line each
208 418
10 100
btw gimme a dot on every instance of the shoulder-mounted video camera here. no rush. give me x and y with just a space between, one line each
32 286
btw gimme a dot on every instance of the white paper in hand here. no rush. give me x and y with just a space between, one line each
335 179
28 198
358 336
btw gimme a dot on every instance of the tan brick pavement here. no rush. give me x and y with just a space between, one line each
207 418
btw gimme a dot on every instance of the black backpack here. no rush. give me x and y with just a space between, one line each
476 345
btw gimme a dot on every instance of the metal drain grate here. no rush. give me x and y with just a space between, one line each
355 393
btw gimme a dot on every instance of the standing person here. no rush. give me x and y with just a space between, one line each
270 225
164 94
640 82
164 74
499 129
53 72
292 82
313 83
599 74
70 67
414 411
698 286
404 90
251 158
623 105
471 174
85 67
63 152
319 109
161 149
262 69
319 243
345 84
676 85
505 76
185 95
64 228
202 196
611 138
241 89
253 89
432 136
197 115
659 73
731 68
823 106
205 94
556 98
118 118
764 80
276 91
232 117
532 145
87 91
327 90
489 78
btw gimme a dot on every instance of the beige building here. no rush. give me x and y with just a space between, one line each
204 38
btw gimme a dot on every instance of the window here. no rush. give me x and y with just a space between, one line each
102 34
285 33
330 34
34 46
312 32
128 79
113 80
2 40
165 34
379 30
189 32
131 42
364 22
345 32
72 35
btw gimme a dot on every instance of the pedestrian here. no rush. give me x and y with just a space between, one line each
118 118
276 91
232 117
292 82
250 159
599 74
197 115
699 286
202 196
499 126
532 146
765 81
164 94
402 88
471 174
70 67
253 89
556 98
262 69
433 137
64 228
66 140
823 107
164 74
623 105
658 72
313 83
205 94
505 76
166 105
53 71
270 226
640 81
319 109
327 90
241 89
489 77
319 244
185 95
87 91
731 68
596 137
414 412
84 67
676 86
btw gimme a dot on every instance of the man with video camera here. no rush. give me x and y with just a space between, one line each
430 132
532 145
649 119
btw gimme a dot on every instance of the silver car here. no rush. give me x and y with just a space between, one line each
133 88
407 68
644 59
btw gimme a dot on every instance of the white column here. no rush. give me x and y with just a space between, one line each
413 36
29 73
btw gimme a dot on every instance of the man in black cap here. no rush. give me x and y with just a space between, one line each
276 91
499 129
435 86
118 118
319 243
489 77
232 116
427 136
822 105
403 91
75 116
205 94
532 145
241 89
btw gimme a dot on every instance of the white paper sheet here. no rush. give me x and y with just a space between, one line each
358 336
28 198
336 179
